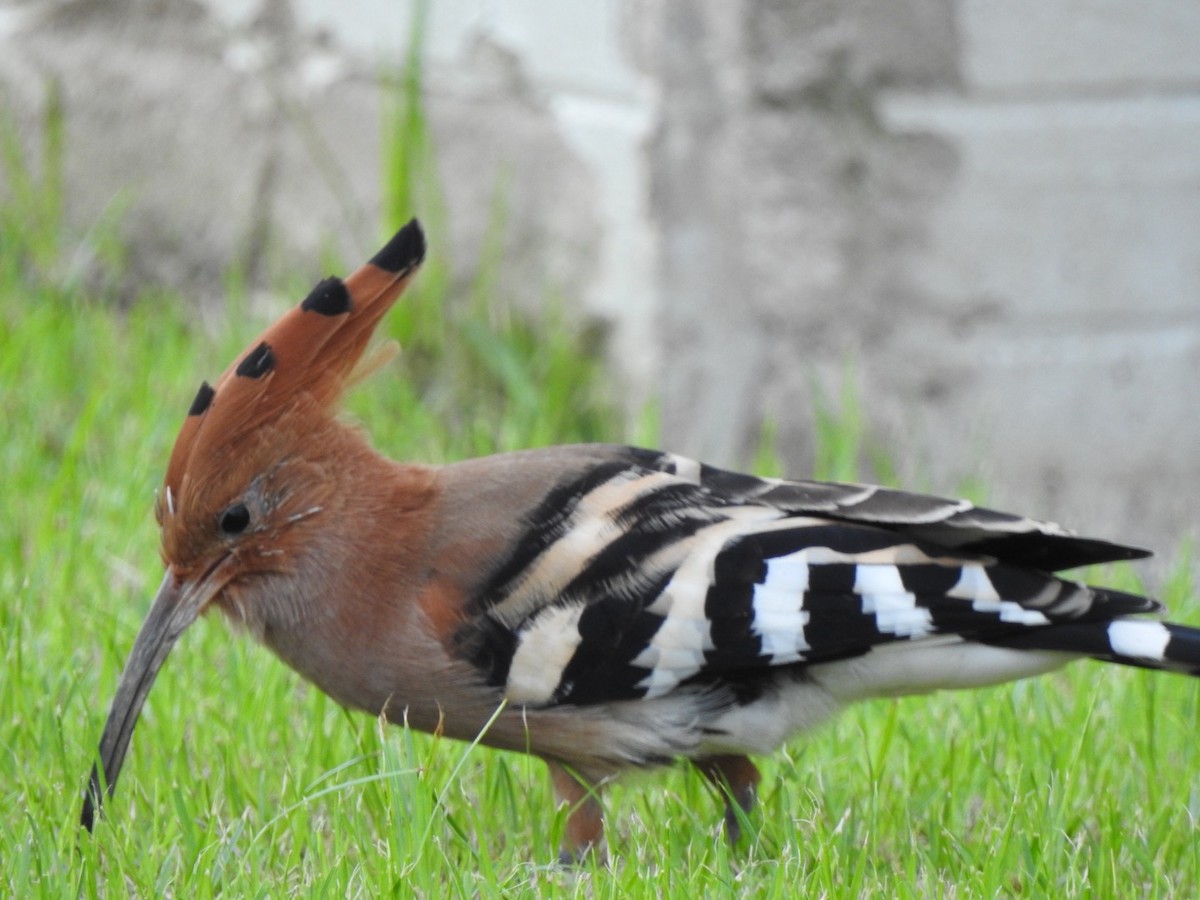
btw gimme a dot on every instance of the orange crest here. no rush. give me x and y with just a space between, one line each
304 361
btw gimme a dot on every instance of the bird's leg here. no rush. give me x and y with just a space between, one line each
585 820
737 779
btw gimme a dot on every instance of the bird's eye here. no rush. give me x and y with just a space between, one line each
235 519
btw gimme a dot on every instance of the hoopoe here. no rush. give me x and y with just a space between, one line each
600 606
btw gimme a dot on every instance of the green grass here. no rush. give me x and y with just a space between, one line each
243 781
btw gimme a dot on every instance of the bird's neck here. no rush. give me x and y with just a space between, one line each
355 570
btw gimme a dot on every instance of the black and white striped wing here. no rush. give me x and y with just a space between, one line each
634 581
953 524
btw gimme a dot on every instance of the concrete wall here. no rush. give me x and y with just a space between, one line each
1062 268
991 207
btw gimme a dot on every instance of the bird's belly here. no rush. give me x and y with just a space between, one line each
949 663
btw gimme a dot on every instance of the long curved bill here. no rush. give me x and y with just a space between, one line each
175 607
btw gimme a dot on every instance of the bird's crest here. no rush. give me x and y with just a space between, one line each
308 357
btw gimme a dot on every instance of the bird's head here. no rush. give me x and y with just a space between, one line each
252 470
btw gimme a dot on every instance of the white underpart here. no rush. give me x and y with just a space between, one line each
543 651
762 726
1140 640
895 609
676 652
974 585
931 664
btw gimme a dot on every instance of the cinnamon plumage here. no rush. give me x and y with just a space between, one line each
600 606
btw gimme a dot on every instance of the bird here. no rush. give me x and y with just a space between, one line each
603 607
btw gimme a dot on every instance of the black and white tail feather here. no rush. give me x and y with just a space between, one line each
754 608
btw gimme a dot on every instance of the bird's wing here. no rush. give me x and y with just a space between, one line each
641 572
954 524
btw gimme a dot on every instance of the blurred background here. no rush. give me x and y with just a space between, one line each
964 233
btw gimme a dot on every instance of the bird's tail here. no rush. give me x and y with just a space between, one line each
1130 642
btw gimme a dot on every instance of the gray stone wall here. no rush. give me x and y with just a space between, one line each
788 214
257 145
989 207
